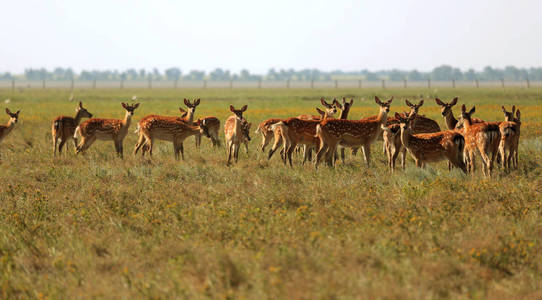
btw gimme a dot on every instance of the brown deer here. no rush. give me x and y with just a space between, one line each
350 133
6 129
264 128
421 124
331 109
391 135
431 147
345 110
233 131
510 132
213 126
63 128
446 111
106 129
484 137
245 130
169 129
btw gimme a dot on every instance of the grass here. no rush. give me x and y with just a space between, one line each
99 226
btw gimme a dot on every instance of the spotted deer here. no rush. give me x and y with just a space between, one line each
169 129
344 107
63 128
391 135
105 129
233 131
213 126
421 124
482 137
245 130
446 111
431 147
6 129
510 132
264 128
351 133
330 109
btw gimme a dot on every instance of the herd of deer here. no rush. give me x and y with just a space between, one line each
412 132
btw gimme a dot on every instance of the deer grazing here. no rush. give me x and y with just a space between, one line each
6 129
484 137
234 132
170 129
350 133
63 128
510 132
105 129
431 147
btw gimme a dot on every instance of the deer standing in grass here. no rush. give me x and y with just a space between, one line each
294 131
351 133
510 132
6 129
170 129
446 111
345 110
64 127
431 147
233 131
482 137
213 126
106 129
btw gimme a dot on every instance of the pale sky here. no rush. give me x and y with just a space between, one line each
258 35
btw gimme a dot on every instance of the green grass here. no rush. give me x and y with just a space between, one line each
99 226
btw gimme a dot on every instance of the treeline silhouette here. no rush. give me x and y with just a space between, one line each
444 73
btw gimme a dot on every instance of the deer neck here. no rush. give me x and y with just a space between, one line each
467 123
451 121
9 126
237 127
344 114
382 117
127 120
190 116
405 136
78 118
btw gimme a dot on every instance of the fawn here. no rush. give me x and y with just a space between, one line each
431 147
484 137
105 129
350 133
64 128
233 131
510 132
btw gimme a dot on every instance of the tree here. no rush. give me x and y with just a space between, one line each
173 73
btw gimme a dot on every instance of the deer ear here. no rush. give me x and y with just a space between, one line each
17 113
196 102
391 99
463 108
518 115
320 111
232 109
454 101
182 110
337 104
408 103
244 108
503 109
439 102
377 100
123 105
80 104
8 111
351 101
398 116
472 110
513 109
187 102
324 103
136 105
420 103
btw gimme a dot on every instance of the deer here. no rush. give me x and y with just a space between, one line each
169 129
264 128
327 108
446 111
245 130
510 132
350 133
63 128
484 137
233 131
105 129
213 126
6 129
431 147
345 109
295 131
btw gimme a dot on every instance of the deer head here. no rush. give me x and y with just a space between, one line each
446 108
330 109
191 106
82 112
344 107
518 116
13 117
202 124
245 129
238 112
384 105
509 116
130 108
404 121
466 116
414 107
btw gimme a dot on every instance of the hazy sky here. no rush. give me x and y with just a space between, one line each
258 35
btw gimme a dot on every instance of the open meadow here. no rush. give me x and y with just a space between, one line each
100 226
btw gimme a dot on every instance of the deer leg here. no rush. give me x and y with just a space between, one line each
403 157
246 146
289 154
395 153
176 150
319 154
85 144
60 145
181 148
55 140
366 153
236 146
141 140
229 148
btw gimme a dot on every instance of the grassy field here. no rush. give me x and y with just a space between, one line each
99 226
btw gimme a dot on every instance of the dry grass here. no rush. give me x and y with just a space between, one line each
98 226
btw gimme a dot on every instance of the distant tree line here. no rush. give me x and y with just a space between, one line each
444 73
